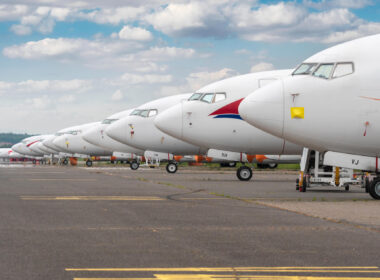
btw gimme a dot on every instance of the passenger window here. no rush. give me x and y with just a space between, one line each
324 71
219 96
343 69
195 96
208 97
152 113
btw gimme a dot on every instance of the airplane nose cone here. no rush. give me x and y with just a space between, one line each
118 131
264 108
92 136
17 148
170 121
60 142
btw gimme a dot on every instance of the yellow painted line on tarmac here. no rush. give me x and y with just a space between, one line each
62 179
76 198
370 269
231 277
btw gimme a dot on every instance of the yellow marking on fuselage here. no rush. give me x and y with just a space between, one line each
66 198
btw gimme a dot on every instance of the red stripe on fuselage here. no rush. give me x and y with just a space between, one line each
232 108
30 144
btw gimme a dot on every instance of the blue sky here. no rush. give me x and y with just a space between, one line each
70 62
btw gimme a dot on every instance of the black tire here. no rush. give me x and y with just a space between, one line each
374 188
272 165
171 167
304 185
366 184
89 163
112 162
347 188
297 184
262 166
65 162
244 173
134 165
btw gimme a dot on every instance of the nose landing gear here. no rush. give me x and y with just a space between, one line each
244 173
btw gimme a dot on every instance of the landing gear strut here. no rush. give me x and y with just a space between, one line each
244 173
172 167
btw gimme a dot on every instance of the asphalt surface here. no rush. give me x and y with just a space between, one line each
114 223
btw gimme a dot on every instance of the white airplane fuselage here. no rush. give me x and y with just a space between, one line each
139 130
334 106
98 136
73 143
216 124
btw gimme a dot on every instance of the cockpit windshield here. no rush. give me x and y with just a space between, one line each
324 70
209 97
305 69
109 121
195 96
145 113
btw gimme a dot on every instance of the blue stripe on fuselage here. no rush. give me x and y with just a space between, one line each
228 116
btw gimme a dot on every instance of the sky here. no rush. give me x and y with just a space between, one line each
70 62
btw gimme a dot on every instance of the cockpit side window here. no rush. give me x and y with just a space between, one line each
324 70
136 112
152 112
305 69
144 113
108 121
343 69
195 96
219 96
208 98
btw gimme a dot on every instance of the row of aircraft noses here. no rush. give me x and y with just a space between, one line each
328 103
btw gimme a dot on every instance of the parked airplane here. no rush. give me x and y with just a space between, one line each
8 153
98 137
23 146
330 103
138 130
72 142
210 119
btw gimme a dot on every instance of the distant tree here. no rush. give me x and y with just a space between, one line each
9 139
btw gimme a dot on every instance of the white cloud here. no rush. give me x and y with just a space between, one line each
40 103
134 79
20 29
325 4
113 15
12 12
69 98
360 31
117 95
201 79
48 86
262 66
135 34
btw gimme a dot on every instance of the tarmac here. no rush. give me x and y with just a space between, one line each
114 223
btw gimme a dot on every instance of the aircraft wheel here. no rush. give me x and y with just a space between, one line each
374 188
171 167
134 165
347 188
232 164
89 163
244 173
297 184
65 162
272 165
261 166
